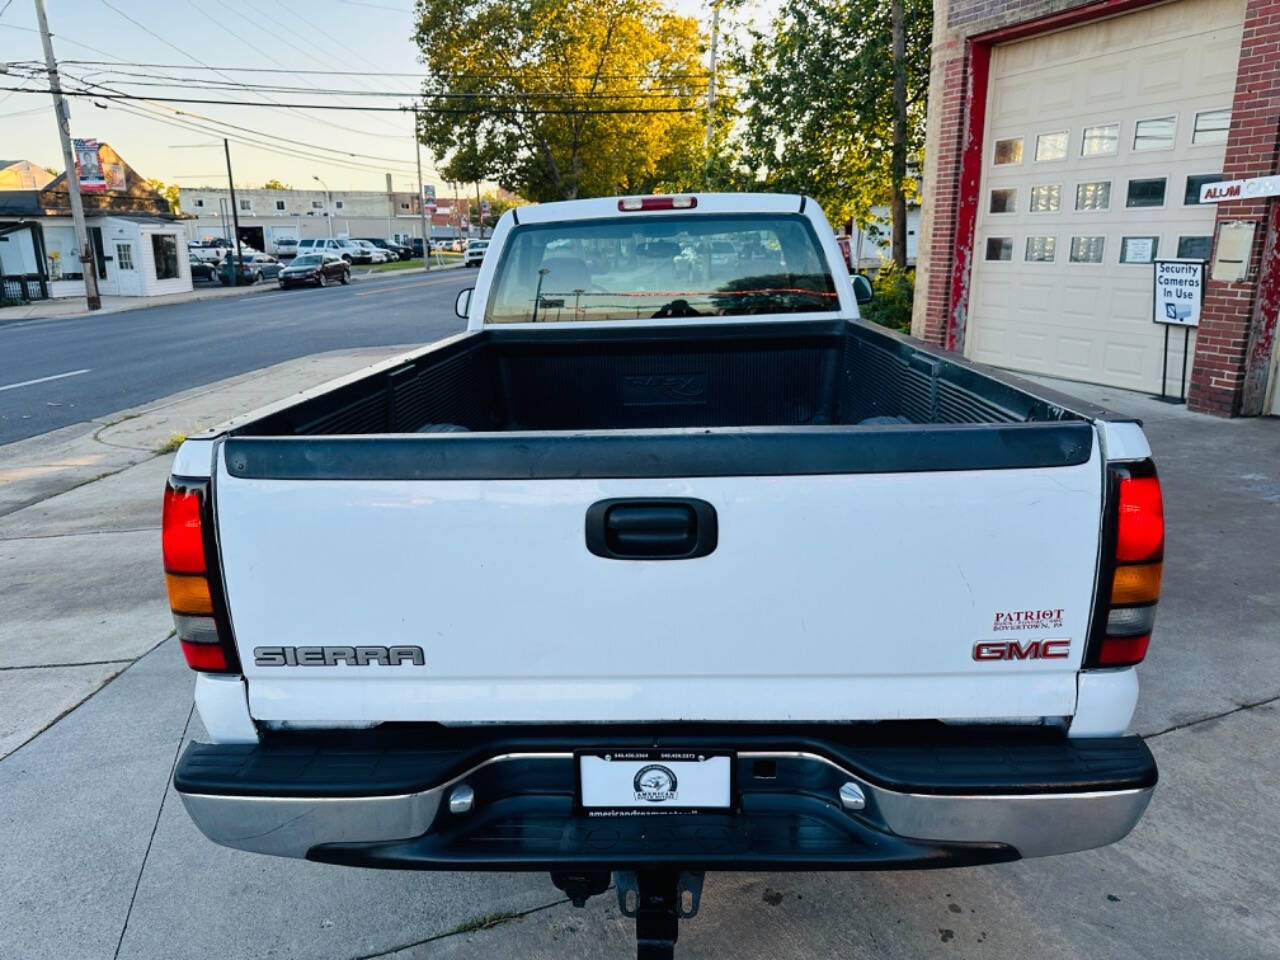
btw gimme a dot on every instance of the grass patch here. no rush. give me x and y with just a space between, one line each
414 264
486 922
173 443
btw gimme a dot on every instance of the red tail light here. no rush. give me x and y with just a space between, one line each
631 204
194 594
1130 583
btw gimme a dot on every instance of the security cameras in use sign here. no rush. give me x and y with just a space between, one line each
1179 291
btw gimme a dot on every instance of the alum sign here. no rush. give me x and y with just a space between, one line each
1179 291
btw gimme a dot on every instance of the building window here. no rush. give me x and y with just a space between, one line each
1094 195
316 204
199 203
1139 249
1041 249
280 206
404 206
1146 193
1008 151
1154 134
1212 126
337 204
1046 198
999 248
1194 248
1051 146
1004 201
164 248
124 256
246 206
1100 141
1191 196
1087 249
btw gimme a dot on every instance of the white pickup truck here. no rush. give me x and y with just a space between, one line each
668 564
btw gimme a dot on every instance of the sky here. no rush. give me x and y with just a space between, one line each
355 35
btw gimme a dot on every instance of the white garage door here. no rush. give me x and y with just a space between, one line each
1097 140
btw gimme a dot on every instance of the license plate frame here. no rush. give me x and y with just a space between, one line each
713 789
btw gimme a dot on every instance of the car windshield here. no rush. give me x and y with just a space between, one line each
659 267
311 260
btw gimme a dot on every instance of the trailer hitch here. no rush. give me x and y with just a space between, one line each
657 899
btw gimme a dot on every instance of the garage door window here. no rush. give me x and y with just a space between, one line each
999 248
1194 248
1100 141
1191 196
1041 249
1051 146
1139 249
1046 198
1146 193
1004 201
1211 127
1008 151
1094 195
1154 134
1087 249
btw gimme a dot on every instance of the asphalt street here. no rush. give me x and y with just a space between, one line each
62 371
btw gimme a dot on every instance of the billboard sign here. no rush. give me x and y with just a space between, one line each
88 166
429 197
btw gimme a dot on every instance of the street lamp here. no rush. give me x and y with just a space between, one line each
328 215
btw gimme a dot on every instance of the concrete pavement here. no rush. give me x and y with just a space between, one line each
101 860
79 540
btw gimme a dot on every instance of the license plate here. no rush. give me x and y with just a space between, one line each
654 781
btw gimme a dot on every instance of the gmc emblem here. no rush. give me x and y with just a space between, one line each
1013 650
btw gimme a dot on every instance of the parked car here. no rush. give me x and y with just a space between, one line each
214 249
457 245
259 266
398 251
370 253
202 269
642 547
286 246
339 248
474 254
318 269
417 247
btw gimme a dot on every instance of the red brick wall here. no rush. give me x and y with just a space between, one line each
1237 325
942 192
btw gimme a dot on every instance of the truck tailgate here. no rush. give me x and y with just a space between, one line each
851 596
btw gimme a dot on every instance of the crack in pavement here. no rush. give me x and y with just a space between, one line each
80 533
154 827
1213 716
76 663
517 915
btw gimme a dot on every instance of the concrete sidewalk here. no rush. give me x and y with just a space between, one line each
79 539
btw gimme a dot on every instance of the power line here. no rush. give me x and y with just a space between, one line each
538 111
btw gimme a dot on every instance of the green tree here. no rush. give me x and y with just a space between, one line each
820 114
167 190
274 184
557 99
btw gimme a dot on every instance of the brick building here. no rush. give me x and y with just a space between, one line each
1067 146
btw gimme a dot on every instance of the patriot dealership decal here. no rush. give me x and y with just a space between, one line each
1049 618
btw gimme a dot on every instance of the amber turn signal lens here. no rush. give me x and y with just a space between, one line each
188 594
1137 584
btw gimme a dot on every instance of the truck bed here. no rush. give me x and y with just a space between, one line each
824 373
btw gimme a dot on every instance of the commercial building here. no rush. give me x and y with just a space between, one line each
1068 146
266 215
139 245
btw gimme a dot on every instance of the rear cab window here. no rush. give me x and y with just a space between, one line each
632 268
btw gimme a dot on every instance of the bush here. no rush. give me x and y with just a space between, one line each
895 291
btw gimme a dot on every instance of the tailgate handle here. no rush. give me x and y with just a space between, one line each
661 528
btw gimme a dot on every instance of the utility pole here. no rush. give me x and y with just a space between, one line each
391 202
422 201
711 89
457 209
235 213
88 268
479 212
898 148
